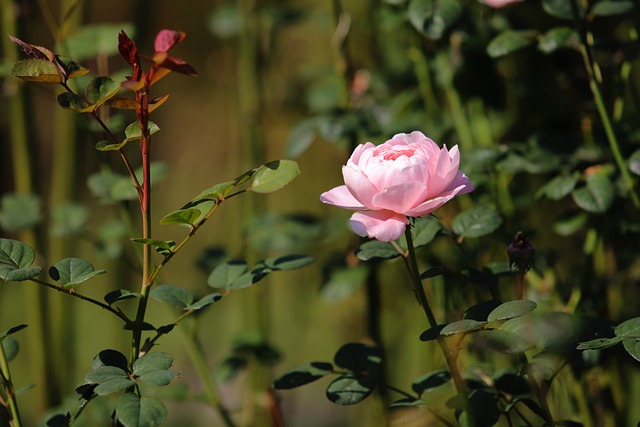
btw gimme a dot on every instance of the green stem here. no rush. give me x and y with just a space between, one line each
538 391
204 373
9 389
74 294
450 356
592 70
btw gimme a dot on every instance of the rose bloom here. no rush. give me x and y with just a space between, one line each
407 176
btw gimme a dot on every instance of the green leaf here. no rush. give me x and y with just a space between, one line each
133 131
611 8
36 70
570 223
358 357
71 68
100 89
249 278
69 219
628 328
109 146
433 18
514 336
599 343
204 302
462 326
73 271
562 9
484 404
423 231
11 331
20 211
558 187
120 295
634 162
632 345
476 222
15 261
431 273
288 262
375 249
158 378
11 348
157 361
134 411
182 217
164 247
173 295
510 41
350 389
71 101
598 194
302 375
218 191
109 379
559 38
113 386
429 381
274 175
300 138
511 310
226 273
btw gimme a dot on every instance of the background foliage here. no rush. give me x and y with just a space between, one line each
309 80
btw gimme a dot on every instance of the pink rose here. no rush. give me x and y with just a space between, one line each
407 176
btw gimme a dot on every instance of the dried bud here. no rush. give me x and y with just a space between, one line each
521 253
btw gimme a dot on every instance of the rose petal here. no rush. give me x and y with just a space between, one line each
341 197
385 226
400 198
359 185
463 186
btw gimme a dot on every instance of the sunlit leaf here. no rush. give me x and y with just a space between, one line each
274 175
71 101
350 389
73 271
173 295
511 309
181 216
634 162
15 261
599 343
570 223
628 328
135 411
476 222
632 345
226 273
510 41
100 89
204 302
559 38
302 375
462 326
37 70
152 362
133 131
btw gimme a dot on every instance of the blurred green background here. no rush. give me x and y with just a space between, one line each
273 76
